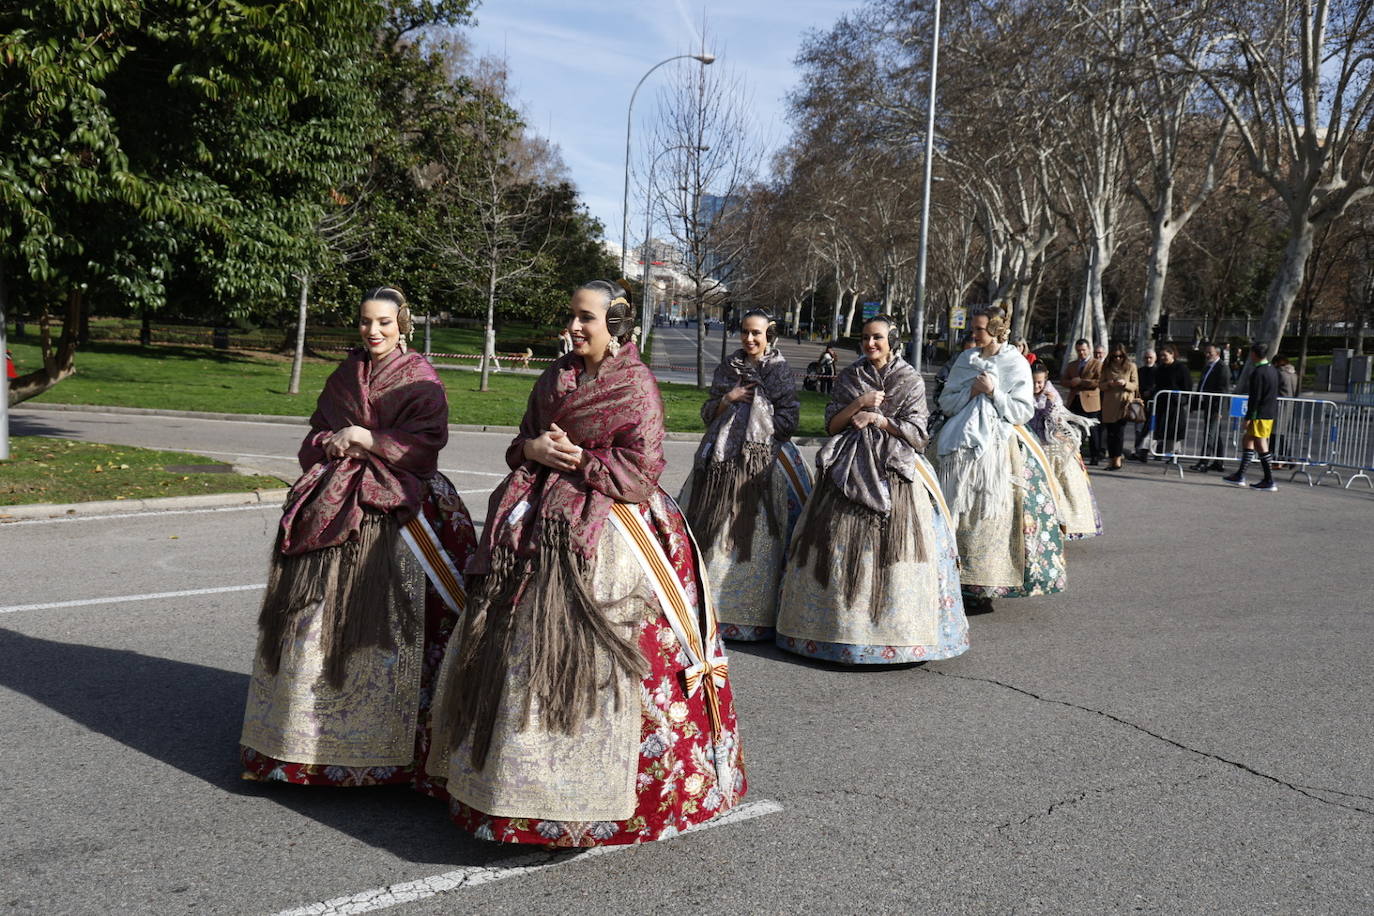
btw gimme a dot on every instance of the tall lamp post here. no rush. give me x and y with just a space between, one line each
918 336
629 112
644 316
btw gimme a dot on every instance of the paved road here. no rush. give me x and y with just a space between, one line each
1187 730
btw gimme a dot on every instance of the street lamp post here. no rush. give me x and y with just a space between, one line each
918 336
629 112
644 316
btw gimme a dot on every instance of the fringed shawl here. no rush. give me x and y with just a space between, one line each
734 464
972 447
540 538
337 537
863 496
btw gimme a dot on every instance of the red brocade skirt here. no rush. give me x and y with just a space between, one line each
685 775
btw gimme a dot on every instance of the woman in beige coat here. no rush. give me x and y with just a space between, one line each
1120 385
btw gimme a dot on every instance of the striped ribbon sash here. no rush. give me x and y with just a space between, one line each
932 485
796 477
707 670
439 568
1033 444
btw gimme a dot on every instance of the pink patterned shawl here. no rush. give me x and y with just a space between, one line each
338 530
540 539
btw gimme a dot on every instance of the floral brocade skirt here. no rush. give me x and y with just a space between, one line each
643 768
745 592
1021 555
922 618
308 716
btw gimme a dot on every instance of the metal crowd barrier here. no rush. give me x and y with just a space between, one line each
1361 393
1352 444
1205 426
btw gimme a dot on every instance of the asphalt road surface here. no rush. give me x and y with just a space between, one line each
1185 731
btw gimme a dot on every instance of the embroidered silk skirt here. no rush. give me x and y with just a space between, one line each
1078 511
746 591
923 614
1022 554
299 729
641 769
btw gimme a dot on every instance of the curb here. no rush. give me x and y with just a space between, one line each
297 421
185 414
799 441
156 504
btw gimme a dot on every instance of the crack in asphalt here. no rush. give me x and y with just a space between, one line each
1098 793
1306 791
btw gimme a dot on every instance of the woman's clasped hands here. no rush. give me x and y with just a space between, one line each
552 448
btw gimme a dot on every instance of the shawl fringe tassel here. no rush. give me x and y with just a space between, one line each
830 517
356 581
978 485
725 500
569 632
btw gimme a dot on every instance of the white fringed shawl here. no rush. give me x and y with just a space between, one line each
972 446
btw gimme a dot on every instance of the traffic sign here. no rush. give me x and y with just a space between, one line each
871 309
958 318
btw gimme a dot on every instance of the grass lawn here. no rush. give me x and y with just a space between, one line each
43 470
227 381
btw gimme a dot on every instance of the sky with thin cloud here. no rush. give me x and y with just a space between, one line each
573 64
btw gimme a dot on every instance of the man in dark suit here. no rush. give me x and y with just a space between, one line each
1215 379
1081 377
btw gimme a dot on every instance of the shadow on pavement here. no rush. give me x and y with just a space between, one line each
188 716
27 425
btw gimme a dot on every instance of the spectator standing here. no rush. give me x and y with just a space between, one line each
1215 379
565 344
1288 377
1171 413
1146 375
826 375
1288 388
1260 413
1081 378
1119 384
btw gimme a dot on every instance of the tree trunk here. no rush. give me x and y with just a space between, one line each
1096 296
57 365
4 376
839 305
1021 313
298 358
699 306
1287 283
853 296
1156 272
1306 335
489 338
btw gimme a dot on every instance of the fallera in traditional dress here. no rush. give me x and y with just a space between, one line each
998 481
364 589
585 701
746 491
1061 434
873 574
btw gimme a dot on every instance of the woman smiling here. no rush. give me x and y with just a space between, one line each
586 700
748 482
875 571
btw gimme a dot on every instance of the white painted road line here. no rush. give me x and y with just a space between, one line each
380 898
100 518
119 599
